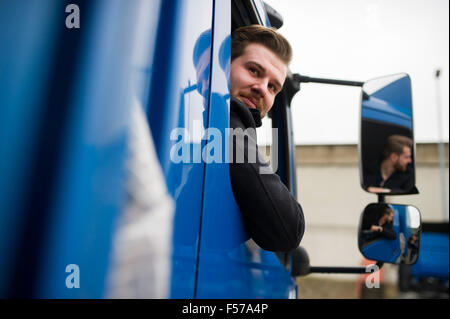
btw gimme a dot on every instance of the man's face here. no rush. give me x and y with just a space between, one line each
403 160
388 217
257 76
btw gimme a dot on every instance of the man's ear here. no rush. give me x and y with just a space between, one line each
393 157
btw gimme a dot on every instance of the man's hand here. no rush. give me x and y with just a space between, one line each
376 228
374 189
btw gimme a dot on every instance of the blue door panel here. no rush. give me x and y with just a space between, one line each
229 266
177 65
90 78
27 37
178 104
90 191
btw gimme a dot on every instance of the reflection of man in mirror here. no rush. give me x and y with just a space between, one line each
380 227
413 248
384 228
201 58
202 62
195 112
259 64
394 173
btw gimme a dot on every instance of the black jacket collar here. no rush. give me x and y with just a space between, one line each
250 117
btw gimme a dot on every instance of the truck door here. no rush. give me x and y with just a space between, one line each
177 110
64 120
230 265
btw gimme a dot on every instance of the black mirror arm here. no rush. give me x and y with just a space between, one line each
346 270
292 84
307 79
300 266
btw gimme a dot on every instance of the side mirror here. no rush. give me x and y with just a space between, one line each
390 233
387 149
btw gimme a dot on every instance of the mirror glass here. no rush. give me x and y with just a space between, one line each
386 142
390 233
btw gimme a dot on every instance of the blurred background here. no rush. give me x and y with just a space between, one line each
359 40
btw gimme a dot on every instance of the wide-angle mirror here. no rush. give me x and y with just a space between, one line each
387 149
390 233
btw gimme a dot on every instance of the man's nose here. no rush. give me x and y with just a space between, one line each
260 88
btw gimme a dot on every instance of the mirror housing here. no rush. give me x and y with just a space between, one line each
390 233
275 18
300 262
386 147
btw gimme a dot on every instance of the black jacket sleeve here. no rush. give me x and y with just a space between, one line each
272 216
388 231
402 182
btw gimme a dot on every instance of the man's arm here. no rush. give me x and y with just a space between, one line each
388 231
402 182
272 216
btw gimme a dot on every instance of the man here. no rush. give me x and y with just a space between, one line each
384 227
378 223
393 174
413 248
259 62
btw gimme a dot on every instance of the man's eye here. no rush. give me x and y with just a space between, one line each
272 88
253 71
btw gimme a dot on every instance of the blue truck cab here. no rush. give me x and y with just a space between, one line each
64 127
212 257
82 78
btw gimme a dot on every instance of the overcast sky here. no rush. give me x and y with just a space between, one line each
359 40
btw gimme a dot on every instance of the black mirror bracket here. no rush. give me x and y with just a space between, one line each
292 84
308 79
300 266
348 270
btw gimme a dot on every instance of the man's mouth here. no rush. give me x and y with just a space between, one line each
250 102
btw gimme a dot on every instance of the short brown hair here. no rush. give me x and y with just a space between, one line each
387 211
268 37
395 144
